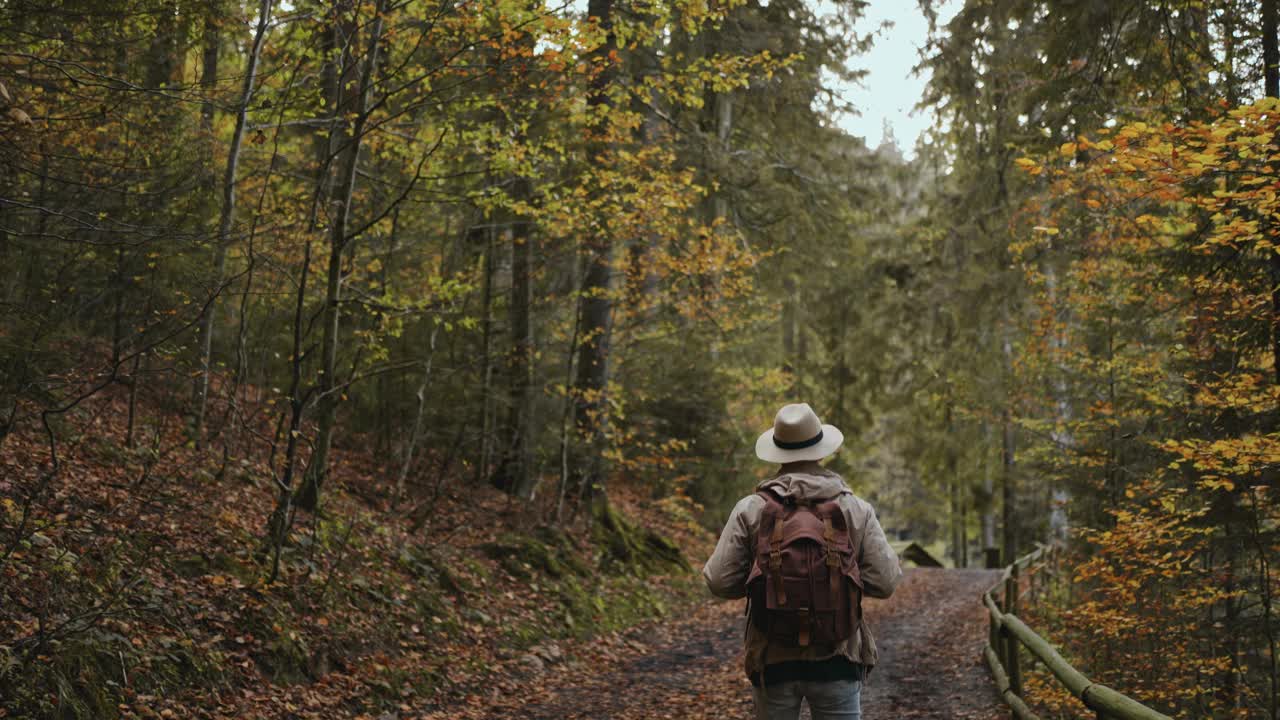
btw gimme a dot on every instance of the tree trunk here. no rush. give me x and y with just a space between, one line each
956 514
486 350
515 471
991 551
1264 546
842 372
950 448
788 324
281 517
421 397
642 280
723 109
226 216
1008 508
566 411
329 389
1059 494
591 413
211 40
1271 82
724 128
162 55
1231 83
596 302
386 421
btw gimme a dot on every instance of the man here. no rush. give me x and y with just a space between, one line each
804 549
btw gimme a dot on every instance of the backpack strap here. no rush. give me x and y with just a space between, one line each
833 557
831 511
775 560
774 509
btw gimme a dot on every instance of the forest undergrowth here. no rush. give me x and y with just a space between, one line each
140 583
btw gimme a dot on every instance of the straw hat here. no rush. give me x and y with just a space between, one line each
798 434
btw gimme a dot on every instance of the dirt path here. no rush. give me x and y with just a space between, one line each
930 634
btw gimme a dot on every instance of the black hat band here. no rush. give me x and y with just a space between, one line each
798 445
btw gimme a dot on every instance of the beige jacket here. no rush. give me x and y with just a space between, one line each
727 569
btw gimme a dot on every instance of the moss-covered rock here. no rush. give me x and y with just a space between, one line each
86 674
286 658
436 569
637 550
549 551
200 564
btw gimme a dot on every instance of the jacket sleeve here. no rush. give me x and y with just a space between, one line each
727 569
877 562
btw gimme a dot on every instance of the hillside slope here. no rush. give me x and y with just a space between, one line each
135 579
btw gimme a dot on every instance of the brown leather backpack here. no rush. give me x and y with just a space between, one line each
804 587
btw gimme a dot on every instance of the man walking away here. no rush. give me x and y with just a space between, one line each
803 550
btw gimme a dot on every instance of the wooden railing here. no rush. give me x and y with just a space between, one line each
1008 634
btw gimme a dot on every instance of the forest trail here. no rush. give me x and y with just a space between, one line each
930 634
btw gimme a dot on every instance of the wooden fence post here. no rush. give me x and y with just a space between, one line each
993 631
1012 666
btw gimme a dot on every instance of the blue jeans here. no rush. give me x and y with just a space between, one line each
828 700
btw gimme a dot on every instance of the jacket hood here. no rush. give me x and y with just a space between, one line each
809 482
